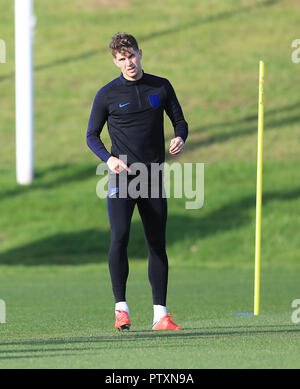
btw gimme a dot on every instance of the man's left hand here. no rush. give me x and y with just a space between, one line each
176 145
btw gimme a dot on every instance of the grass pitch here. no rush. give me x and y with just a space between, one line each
62 318
54 234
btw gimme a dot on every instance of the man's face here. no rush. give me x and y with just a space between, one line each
130 63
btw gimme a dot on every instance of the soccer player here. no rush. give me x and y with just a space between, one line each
133 106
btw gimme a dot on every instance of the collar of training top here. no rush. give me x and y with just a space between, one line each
128 82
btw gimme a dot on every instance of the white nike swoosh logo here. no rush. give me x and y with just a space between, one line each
123 105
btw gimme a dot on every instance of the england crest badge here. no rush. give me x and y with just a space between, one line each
154 100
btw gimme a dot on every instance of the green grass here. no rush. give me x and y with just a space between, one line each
62 317
60 220
54 234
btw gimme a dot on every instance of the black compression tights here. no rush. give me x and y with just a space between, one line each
153 212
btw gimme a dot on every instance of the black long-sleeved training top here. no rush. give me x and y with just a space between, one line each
134 113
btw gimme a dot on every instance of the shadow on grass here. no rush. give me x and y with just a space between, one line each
239 128
179 28
52 177
91 246
133 338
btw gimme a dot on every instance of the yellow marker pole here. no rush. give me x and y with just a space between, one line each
259 188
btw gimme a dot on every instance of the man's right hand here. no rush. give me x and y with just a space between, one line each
116 165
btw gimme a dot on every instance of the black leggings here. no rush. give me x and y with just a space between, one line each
153 212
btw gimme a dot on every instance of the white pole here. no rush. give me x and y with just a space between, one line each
24 91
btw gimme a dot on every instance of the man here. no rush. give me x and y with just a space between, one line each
133 106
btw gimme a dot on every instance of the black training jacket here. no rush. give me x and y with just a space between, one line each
134 113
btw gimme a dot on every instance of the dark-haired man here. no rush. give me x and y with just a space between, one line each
133 106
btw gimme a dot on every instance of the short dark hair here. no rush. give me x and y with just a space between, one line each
122 42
